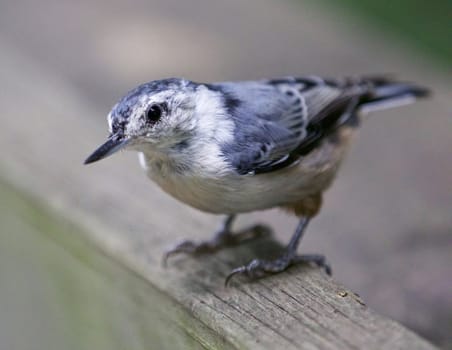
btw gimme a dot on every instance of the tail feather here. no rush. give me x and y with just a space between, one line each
386 93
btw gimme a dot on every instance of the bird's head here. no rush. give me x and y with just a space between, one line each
155 116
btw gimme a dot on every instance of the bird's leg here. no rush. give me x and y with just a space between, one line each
258 268
223 237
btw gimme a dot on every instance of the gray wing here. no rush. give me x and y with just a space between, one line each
277 121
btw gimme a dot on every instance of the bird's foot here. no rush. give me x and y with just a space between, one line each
258 268
223 238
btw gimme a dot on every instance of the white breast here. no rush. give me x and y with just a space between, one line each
226 193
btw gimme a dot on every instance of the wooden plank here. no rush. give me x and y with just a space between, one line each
47 135
59 292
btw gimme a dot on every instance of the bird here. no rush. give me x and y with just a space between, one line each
236 147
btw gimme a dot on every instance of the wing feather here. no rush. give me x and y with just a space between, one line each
277 121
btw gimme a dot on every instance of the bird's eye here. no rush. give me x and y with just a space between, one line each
153 114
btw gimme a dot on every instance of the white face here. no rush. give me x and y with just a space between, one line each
157 119
171 117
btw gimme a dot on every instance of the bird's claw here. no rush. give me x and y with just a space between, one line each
221 239
236 271
258 268
186 246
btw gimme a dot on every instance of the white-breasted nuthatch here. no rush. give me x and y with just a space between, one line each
236 147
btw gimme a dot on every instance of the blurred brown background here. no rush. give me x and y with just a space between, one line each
386 226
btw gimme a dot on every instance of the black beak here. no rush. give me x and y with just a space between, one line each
113 144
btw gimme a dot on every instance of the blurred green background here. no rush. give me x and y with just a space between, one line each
424 25
386 225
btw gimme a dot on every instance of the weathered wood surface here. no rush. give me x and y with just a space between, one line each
132 223
58 291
